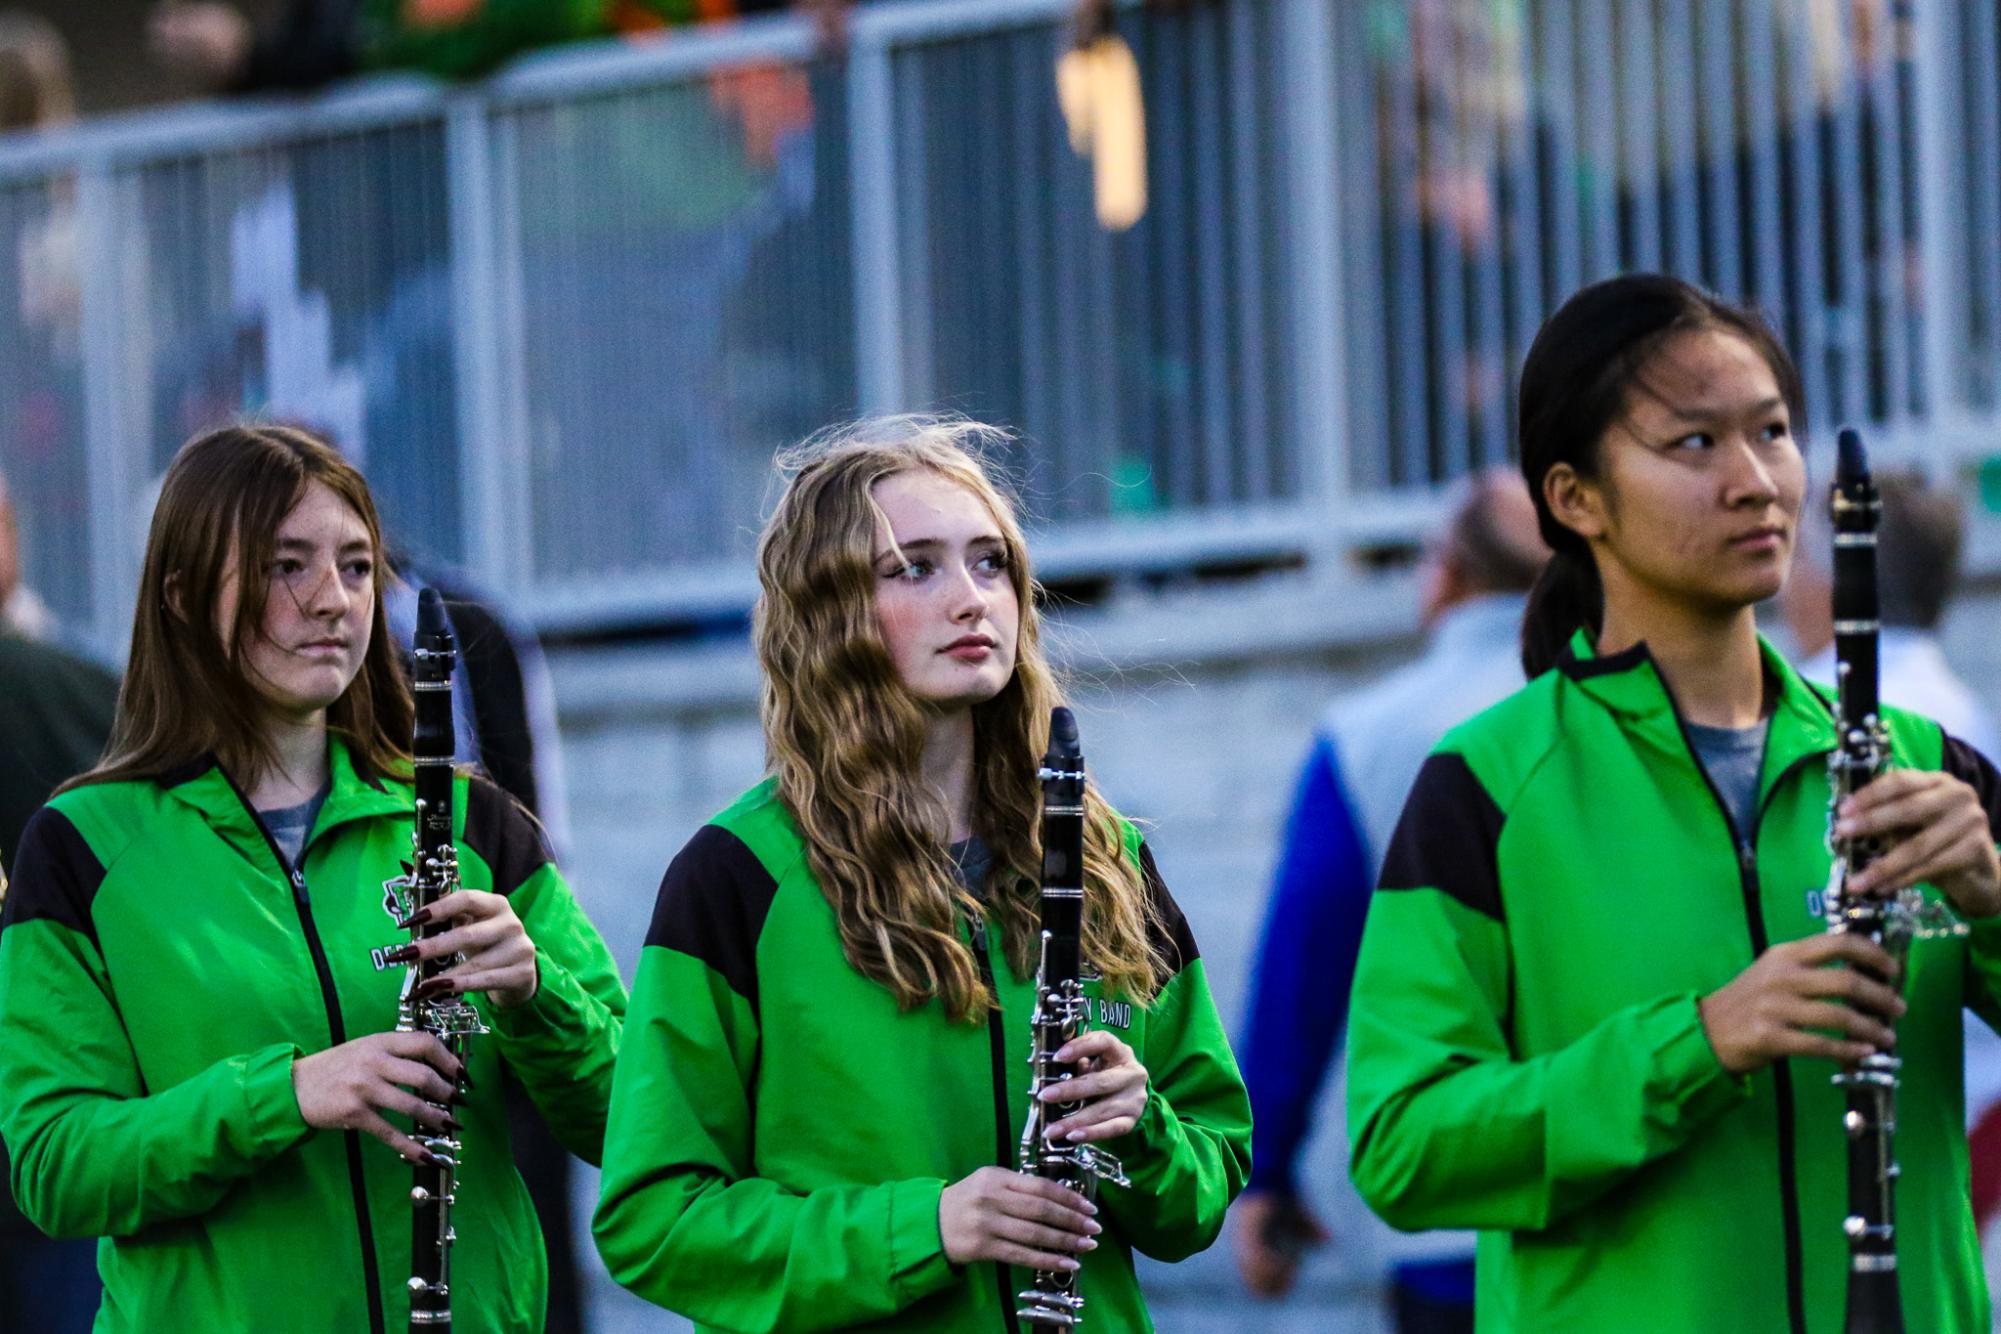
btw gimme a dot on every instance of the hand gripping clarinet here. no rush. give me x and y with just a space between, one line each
1061 1012
1863 752
432 874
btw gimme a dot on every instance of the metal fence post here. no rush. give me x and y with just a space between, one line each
109 386
873 190
1316 309
493 476
1941 208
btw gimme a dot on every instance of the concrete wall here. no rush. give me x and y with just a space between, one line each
1200 739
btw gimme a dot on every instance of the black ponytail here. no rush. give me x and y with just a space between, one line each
1575 383
1566 595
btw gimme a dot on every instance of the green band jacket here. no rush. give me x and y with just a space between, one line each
1526 1053
160 969
781 1132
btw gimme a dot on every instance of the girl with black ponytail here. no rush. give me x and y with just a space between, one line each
1586 363
1594 1015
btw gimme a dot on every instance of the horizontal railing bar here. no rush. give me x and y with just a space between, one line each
587 68
1068 553
711 590
382 102
911 21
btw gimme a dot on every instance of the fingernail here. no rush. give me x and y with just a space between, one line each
401 954
452 1123
1843 828
417 918
1092 1229
432 1159
1070 1264
1090 1207
1087 1245
1075 1136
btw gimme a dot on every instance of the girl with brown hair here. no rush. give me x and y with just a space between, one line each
193 1038
815 1124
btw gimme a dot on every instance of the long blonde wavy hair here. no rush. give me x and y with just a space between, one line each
846 740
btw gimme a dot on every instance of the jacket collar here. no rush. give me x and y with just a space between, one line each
203 785
1629 685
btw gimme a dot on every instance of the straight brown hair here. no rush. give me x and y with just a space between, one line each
186 693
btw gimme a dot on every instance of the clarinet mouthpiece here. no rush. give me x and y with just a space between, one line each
1062 729
1851 464
430 613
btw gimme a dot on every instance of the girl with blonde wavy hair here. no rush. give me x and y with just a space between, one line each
815 1118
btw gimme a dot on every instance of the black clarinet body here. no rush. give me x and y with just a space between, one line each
1869 1121
1062 1011
433 873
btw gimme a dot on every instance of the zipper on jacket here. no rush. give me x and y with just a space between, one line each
1004 1149
336 1030
1746 848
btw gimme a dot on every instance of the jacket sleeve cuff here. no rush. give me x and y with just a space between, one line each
559 1003
1151 1144
1687 1075
272 1119
917 1262
1985 933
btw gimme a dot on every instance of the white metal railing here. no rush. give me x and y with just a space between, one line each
564 316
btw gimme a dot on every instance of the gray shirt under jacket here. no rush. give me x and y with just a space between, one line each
1733 756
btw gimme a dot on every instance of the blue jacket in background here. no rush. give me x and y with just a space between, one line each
1364 757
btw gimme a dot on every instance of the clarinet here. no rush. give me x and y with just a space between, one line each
1062 1011
432 873
1893 922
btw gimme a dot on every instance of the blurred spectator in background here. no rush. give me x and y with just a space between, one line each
1364 758
58 709
315 42
56 719
22 614
36 93
36 90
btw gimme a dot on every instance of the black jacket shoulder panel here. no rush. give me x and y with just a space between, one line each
493 670
1447 837
1165 922
56 876
1964 762
504 835
712 906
